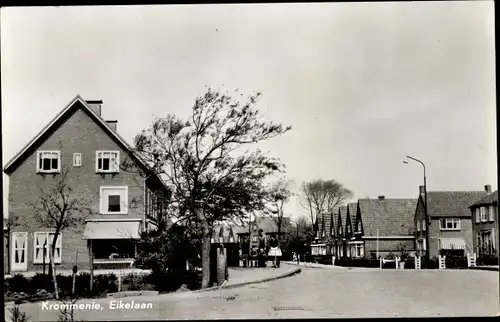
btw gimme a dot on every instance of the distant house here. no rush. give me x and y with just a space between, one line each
484 227
324 241
354 232
125 203
340 242
450 230
267 224
386 224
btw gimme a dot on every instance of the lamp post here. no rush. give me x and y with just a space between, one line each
427 223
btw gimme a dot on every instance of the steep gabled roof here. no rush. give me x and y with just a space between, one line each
452 203
75 103
392 217
491 199
341 219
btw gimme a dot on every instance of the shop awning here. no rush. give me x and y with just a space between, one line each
112 230
452 243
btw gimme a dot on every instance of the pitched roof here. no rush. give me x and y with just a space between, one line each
452 203
268 225
75 103
392 217
341 218
490 199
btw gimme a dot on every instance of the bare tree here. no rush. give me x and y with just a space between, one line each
322 196
60 207
197 158
279 194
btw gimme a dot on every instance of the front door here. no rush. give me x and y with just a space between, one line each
19 251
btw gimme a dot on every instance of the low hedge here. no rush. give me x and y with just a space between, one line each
357 262
487 260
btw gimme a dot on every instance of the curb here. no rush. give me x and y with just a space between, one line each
131 293
291 273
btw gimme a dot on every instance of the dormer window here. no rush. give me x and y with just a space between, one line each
107 161
48 161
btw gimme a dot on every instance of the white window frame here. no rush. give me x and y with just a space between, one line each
40 154
491 214
358 250
103 204
48 246
449 220
484 214
418 225
77 159
102 155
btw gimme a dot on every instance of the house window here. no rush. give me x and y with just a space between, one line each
358 248
77 159
424 226
484 214
49 161
478 215
492 213
107 161
450 224
114 200
418 225
43 240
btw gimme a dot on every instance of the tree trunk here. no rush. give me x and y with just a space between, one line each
205 255
53 269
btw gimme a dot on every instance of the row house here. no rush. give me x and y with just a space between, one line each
340 241
325 235
484 227
450 222
384 226
124 203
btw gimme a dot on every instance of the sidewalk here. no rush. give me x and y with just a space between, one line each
316 265
240 276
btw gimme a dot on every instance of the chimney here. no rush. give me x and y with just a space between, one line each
112 124
381 197
95 106
487 188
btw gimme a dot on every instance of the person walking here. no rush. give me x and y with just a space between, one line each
262 248
275 251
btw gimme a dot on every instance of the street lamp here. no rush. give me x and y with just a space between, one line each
427 223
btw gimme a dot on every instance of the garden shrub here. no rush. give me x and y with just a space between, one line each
456 262
132 282
40 282
105 283
18 283
487 260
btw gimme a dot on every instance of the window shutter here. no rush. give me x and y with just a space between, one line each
477 215
424 227
491 213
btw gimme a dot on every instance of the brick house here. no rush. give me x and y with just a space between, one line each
450 230
484 226
324 242
340 243
354 232
124 203
386 225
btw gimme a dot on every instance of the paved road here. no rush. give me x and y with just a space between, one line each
324 293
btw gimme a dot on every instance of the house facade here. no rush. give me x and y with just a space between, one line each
340 241
387 225
323 244
354 232
485 224
450 229
124 203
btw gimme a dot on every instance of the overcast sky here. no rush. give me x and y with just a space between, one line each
362 84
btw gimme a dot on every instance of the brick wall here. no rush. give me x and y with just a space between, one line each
78 134
465 233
